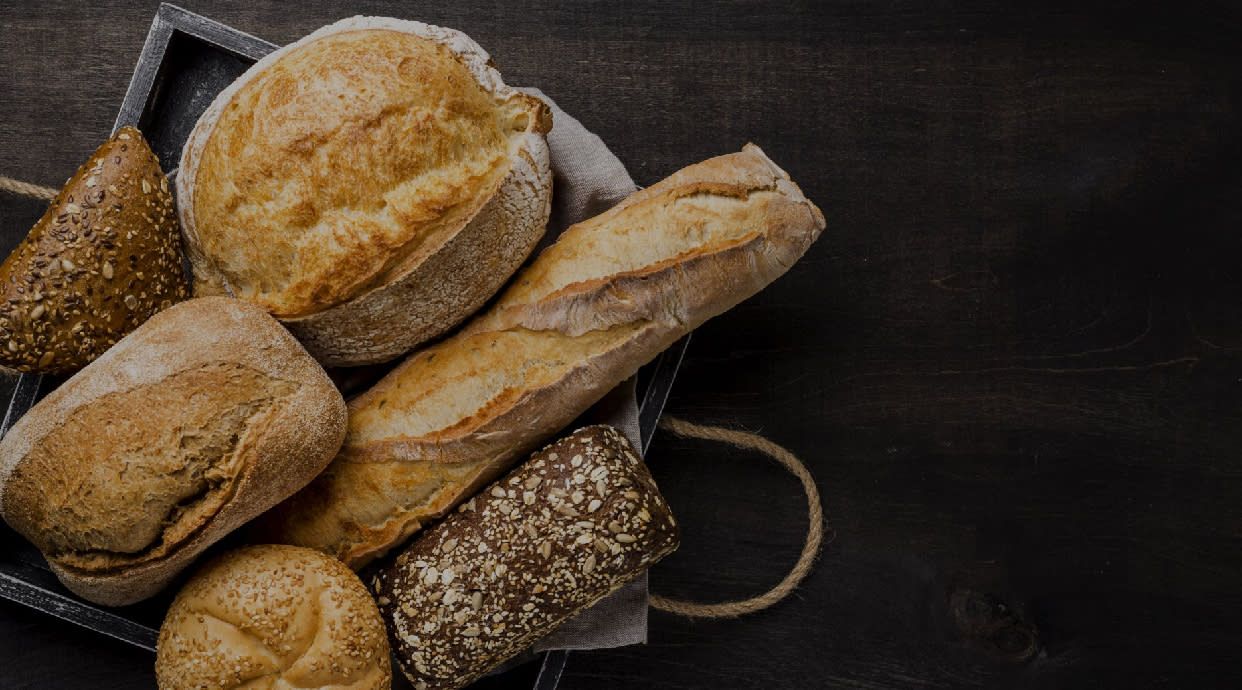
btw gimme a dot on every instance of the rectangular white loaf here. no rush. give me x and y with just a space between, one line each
612 293
203 417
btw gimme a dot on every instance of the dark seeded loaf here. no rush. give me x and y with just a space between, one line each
577 521
104 257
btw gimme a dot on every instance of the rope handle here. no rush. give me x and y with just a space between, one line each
33 191
814 535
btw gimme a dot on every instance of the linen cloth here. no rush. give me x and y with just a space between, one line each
588 180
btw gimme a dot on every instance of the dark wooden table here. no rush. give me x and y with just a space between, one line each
1014 361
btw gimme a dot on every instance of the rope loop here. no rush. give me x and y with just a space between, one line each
814 534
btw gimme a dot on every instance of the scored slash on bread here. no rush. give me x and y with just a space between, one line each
608 296
102 259
273 617
370 185
204 417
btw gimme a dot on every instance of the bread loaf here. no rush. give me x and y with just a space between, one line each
370 185
608 296
577 521
202 418
273 617
104 257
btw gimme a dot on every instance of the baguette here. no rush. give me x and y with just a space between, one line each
565 529
608 296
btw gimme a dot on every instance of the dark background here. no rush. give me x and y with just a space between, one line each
1013 361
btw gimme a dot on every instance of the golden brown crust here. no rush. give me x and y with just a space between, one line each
102 259
371 185
610 294
198 421
273 616
578 520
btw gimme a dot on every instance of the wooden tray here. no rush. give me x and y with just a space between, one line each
187 59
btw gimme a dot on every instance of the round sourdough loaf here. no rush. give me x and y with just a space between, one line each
370 185
273 617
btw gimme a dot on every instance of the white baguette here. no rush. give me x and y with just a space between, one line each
611 294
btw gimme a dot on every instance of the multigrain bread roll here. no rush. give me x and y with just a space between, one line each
104 257
370 185
205 416
608 296
273 617
577 521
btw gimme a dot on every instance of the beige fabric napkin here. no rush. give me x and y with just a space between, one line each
588 180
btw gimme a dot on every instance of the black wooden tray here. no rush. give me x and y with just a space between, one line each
187 59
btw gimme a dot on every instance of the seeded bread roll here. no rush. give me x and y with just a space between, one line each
370 185
104 257
205 416
273 617
577 521
612 293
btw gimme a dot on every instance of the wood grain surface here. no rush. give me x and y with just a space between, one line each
1014 361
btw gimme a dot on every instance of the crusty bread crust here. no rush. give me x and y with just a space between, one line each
53 499
452 273
607 297
273 616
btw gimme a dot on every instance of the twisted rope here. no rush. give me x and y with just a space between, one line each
34 191
814 514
